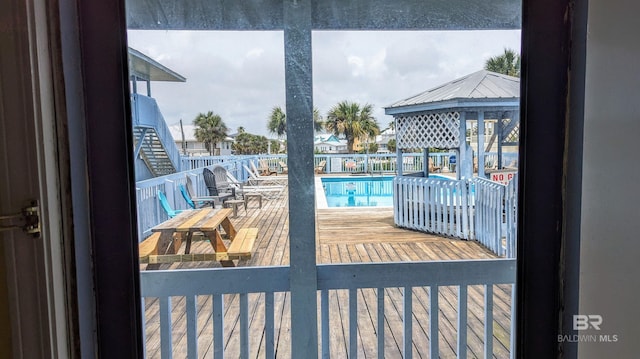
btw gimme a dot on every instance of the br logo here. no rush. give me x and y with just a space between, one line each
584 322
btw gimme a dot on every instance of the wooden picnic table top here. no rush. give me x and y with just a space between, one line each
197 220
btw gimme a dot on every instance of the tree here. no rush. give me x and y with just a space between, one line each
210 129
277 124
508 63
250 144
392 125
276 147
373 148
391 145
349 120
241 129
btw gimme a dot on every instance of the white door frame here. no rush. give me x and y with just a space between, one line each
33 161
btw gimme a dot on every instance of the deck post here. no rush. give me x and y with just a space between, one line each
425 161
500 139
481 173
399 162
299 111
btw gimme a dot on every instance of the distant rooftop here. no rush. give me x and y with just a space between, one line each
189 133
481 87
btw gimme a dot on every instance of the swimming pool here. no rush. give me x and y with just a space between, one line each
365 191
358 191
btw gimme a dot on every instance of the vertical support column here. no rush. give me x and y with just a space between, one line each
399 161
398 150
425 161
148 87
461 155
299 103
481 173
500 129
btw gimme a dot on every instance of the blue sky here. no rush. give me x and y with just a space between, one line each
240 75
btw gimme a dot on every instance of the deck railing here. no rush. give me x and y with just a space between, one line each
355 163
336 163
471 282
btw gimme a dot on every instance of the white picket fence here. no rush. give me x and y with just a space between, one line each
496 216
434 205
476 209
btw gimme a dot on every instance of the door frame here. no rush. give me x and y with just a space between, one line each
547 254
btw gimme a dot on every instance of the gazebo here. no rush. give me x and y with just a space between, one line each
437 118
468 207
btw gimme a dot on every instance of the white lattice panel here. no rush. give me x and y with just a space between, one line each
514 135
439 130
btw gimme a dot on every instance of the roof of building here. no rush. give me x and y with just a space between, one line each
325 137
189 133
481 86
146 68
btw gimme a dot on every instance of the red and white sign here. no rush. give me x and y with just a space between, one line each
503 177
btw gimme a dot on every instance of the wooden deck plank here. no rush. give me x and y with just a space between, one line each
343 236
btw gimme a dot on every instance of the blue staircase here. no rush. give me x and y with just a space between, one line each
153 141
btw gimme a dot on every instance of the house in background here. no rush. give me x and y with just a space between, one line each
383 139
329 143
190 146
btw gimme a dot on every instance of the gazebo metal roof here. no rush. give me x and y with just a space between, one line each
479 89
437 118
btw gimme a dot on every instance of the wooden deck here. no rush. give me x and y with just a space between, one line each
343 236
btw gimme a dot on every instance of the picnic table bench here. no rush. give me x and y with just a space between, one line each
167 238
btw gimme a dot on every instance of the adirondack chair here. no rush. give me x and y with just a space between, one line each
215 192
432 167
166 206
222 181
320 167
264 168
192 195
284 167
189 199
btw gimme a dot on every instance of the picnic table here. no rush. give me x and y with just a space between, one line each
167 238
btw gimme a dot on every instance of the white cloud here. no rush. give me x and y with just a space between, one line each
240 75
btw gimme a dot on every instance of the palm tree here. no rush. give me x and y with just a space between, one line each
507 63
278 121
348 119
210 129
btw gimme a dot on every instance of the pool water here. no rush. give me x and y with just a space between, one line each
358 191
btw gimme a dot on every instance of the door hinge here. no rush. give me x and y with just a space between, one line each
28 219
